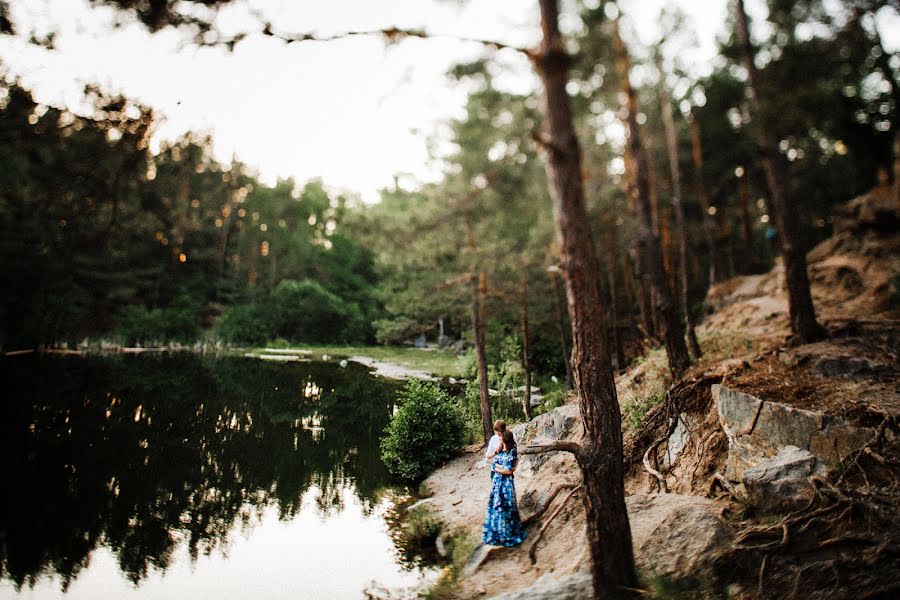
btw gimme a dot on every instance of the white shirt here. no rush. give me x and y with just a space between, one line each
493 446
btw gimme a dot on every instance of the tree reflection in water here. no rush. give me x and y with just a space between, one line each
144 453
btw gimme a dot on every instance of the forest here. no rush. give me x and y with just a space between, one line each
104 239
574 229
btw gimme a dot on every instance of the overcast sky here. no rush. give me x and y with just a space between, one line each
349 111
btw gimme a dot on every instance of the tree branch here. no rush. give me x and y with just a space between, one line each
572 447
390 34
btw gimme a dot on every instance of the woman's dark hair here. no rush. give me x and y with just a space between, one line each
508 440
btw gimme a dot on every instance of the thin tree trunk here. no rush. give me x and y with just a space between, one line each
747 222
619 362
479 292
526 399
678 209
567 358
705 217
600 455
648 246
803 313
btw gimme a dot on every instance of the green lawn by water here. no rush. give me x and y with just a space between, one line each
438 362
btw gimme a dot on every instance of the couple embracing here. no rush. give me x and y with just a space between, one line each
502 525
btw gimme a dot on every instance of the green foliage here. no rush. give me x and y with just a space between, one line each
635 409
304 311
422 526
461 547
426 431
177 323
246 324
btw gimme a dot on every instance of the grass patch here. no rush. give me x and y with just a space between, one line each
718 345
644 388
438 362
663 587
461 547
422 526
635 409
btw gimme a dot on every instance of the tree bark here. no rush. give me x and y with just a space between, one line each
648 245
526 399
706 218
803 315
678 209
612 261
479 292
600 455
747 222
560 323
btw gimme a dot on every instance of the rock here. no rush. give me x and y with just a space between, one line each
558 424
676 536
480 555
782 482
849 367
759 429
549 587
676 441
419 503
343 363
420 341
440 545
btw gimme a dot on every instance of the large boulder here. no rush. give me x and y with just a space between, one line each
676 536
576 586
758 429
782 482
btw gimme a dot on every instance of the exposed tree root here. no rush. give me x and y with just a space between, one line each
540 511
532 551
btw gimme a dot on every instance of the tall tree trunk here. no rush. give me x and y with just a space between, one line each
612 262
567 358
648 246
803 314
678 209
706 218
526 398
747 222
479 293
600 454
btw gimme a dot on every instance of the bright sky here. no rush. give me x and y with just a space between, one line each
350 111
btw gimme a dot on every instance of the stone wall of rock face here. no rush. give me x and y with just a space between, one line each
758 429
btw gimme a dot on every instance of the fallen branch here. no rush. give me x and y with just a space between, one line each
540 534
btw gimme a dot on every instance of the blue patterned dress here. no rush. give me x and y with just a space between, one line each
502 526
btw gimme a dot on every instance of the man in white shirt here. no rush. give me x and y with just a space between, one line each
495 442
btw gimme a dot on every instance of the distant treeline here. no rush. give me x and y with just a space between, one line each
101 237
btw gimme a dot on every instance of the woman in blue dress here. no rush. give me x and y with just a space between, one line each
502 526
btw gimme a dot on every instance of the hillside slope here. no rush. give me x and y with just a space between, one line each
815 515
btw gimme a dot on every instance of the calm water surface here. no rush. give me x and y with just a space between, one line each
182 476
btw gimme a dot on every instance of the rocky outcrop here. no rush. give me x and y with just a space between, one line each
549 587
758 429
674 535
782 482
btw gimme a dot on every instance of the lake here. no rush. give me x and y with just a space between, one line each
187 476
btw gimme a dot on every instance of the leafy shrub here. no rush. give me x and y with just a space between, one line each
245 324
177 323
426 431
304 311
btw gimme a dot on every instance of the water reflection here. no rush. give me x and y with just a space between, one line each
145 456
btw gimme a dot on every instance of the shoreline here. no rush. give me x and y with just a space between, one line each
439 366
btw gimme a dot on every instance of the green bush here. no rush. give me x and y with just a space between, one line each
426 431
176 323
304 311
245 324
